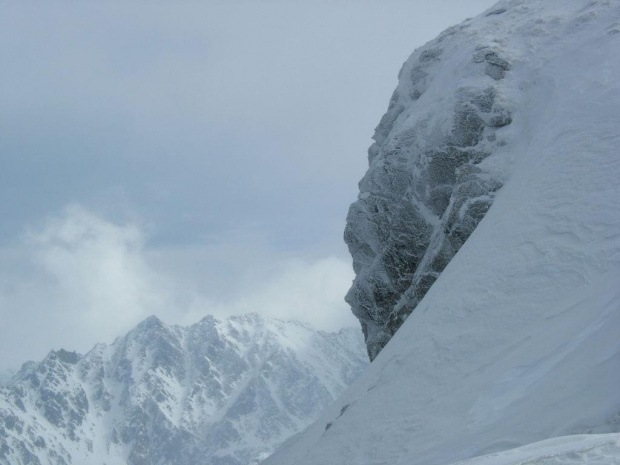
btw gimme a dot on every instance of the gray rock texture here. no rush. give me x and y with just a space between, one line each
430 179
223 392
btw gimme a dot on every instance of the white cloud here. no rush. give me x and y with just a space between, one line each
80 279
98 269
306 290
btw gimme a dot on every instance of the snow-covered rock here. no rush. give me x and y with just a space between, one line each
517 339
218 392
428 185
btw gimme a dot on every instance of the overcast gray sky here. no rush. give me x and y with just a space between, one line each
185 158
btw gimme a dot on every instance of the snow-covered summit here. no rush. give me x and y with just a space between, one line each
516 341
219 391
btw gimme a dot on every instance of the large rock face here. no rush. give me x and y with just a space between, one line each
428 186
217 392
516 341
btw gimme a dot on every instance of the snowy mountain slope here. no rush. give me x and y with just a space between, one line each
517 340
591 449
216 392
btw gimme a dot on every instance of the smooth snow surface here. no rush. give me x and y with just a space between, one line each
591 449
518 340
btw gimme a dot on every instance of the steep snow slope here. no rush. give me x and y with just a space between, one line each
217 392
591 449
517 340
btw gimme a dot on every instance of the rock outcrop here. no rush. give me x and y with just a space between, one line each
428 185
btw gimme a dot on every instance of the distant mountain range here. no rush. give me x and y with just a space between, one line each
221 392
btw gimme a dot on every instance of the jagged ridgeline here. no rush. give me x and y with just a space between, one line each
223 392
430 180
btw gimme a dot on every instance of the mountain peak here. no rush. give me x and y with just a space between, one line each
151 322
177 394
69 357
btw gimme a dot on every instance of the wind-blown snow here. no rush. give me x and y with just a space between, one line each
517 341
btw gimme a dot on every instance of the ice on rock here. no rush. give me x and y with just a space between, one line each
426 188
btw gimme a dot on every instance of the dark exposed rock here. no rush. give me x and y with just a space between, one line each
500 119
497 11
496 66
68 357
430 54
426 188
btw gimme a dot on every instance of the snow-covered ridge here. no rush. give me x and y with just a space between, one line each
219 391
517 340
